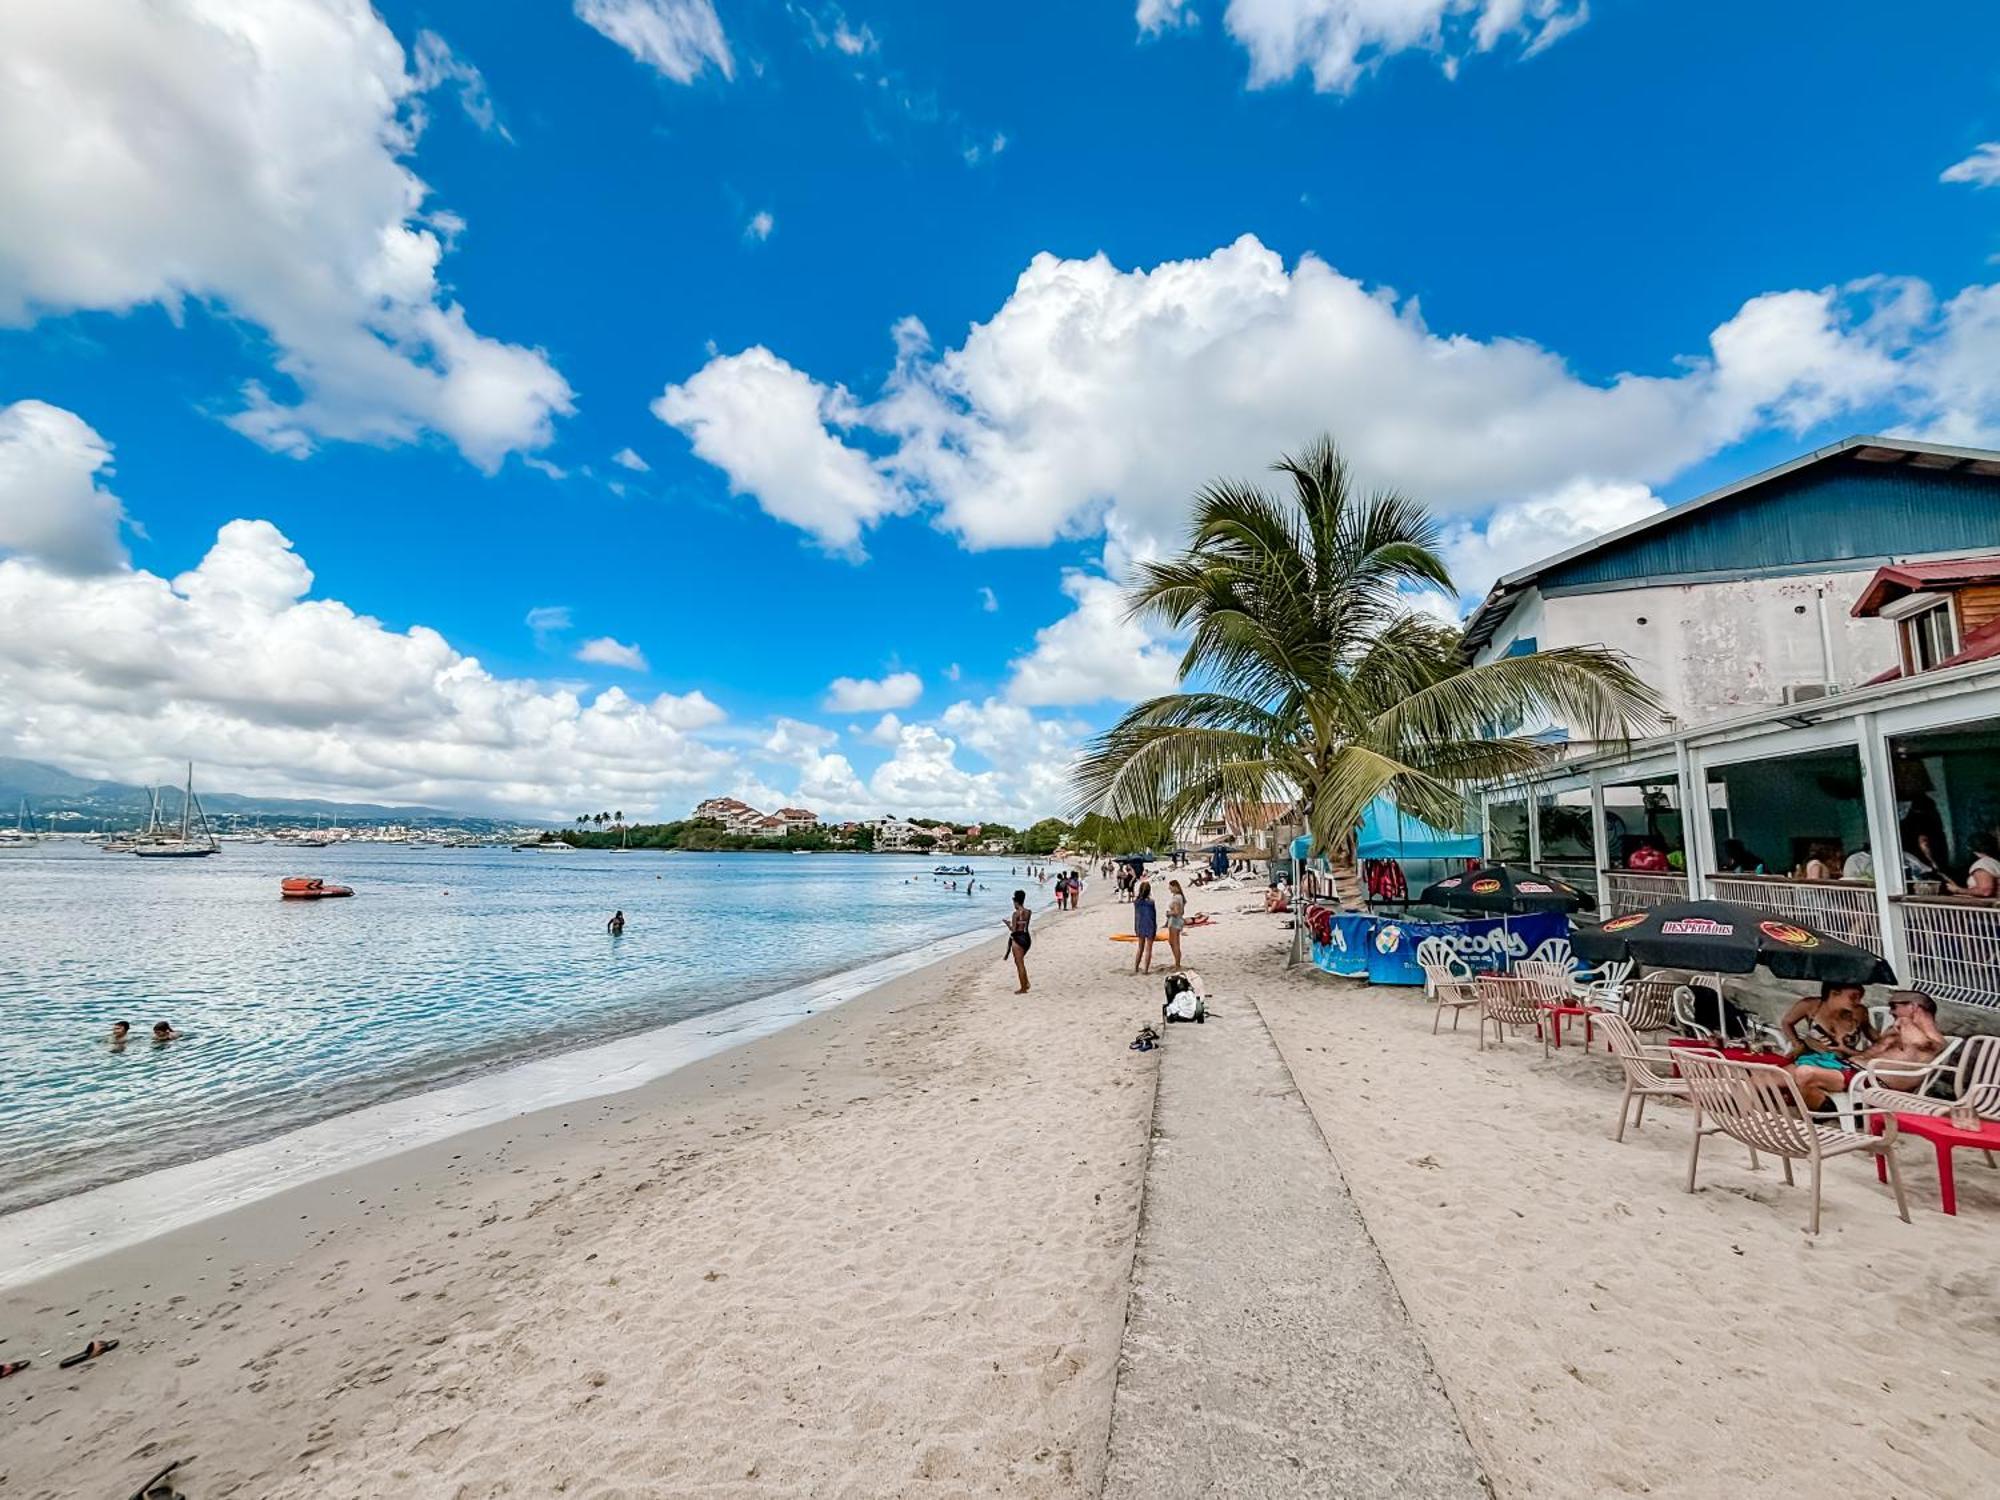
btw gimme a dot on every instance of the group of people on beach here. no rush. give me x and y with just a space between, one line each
1832 1036
1146 924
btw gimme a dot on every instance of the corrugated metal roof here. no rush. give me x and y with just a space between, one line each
1933 508
1899 579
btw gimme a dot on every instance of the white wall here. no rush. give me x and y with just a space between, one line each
1716 650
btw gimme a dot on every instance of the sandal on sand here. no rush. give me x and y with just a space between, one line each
14 1367
89 1351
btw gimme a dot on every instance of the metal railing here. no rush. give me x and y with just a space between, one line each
1954 948
1844 909
1635 890
1581 873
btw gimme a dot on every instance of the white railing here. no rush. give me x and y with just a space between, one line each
1635 890
1844 909
1954 948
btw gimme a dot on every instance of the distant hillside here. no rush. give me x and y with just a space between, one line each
57 798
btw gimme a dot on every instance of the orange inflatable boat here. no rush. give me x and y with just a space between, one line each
310 888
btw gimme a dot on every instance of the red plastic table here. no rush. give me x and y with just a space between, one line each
1947 1137
1557 1012
1732 1054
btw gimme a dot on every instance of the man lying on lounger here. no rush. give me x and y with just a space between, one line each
1912 1040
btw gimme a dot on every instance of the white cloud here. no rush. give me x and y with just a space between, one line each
765 425
760 226
625 458
952 672
603 651
796 741
234 666
887 730
677 37
1156 16
548 619
436 64
862 695
52 505
1094 653
1338 41
1096 399
1529 530
988 600
1981 169
251 158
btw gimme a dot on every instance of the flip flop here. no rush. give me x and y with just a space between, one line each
89 1351
14 1367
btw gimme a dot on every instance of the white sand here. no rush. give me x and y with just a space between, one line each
883 1253
1604 1333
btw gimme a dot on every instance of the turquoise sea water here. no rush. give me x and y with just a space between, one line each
444 964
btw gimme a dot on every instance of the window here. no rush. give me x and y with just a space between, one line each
1929 637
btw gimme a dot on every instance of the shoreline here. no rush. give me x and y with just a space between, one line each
883 1247
44 1238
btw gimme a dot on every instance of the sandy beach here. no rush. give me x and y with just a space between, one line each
890 1252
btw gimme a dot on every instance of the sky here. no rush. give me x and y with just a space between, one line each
550 406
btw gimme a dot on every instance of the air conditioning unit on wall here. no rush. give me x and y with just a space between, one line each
1805 692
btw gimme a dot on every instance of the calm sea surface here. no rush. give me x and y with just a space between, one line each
445 963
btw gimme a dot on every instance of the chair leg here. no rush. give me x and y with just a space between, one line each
1786 1163
1436 1017
1896 1181
1624 1107
1812 1224
1641 1120
1694 1150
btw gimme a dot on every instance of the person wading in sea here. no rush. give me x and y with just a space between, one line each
617 923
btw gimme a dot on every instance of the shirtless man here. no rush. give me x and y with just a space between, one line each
1912 1040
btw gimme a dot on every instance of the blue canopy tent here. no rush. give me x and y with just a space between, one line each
1387 832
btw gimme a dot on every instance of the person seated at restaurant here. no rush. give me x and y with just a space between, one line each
1913 1038
1823 863
1983 877
1649 857
1860 865
1738 860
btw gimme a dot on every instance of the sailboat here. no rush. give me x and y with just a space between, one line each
188 845
21 835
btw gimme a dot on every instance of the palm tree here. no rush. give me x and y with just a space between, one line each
1310 676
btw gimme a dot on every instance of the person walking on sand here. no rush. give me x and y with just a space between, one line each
1145 927
1176 918
1019 940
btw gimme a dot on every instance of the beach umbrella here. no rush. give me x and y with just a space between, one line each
1725 938
1506 890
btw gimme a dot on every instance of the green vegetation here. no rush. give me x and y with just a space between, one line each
1309 676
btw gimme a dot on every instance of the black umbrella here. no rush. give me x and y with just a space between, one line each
1504 889
1724 938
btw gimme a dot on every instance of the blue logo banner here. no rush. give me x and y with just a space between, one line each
1384 949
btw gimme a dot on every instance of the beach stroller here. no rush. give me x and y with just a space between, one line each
1186 1000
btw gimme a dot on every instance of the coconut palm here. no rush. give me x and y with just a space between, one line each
1310 675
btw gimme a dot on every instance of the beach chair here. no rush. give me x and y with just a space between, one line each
1647 1005
1759 1105
1883 1078
1554 951
1603 986
1506 1000
1648 1072
1447 981
1974 1079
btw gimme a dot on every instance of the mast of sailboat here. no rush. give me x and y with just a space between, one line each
187 801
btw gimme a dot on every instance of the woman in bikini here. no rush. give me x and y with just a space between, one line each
1176 918
1019 940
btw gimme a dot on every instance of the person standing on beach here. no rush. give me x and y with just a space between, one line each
1176 918
1145 927
1018 938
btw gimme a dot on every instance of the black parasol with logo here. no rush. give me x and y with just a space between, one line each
1505 890
1724 938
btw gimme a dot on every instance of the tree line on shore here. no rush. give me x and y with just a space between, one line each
706 835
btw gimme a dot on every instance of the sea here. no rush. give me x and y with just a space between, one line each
446 964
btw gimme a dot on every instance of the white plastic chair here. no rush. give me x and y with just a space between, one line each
1436 958
1554 951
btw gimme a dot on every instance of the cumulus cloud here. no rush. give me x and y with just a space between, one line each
771 429
603 651
1095 399
796 741
52 505
253 159
234 665
1093 654
678 38
863 695
1339 41
886 730
1981 169
625 458
1529 530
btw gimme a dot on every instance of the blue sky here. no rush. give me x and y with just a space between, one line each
1548 283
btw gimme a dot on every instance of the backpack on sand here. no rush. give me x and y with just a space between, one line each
1185 1000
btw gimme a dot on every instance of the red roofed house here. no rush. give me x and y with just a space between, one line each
1946 612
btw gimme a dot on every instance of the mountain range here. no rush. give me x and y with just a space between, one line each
57 798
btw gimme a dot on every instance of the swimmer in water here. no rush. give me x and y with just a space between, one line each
120 1030
164 1033
617 923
